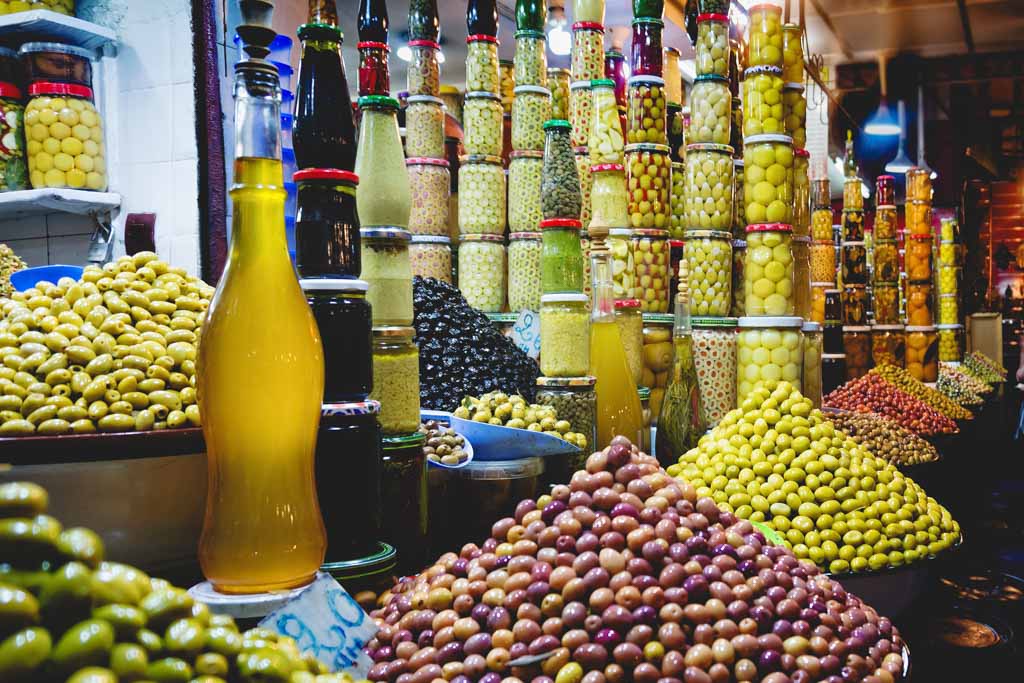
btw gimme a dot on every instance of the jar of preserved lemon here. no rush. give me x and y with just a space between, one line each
65 138
951 343
920 304
923 353
917 258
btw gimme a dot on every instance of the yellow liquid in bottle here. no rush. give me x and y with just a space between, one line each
618 404
260 374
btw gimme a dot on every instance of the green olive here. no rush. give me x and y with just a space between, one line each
115 583
22 499
18 609
264 665
93 674
165 606
126 619
129 661
185 637
87 643
23 653
169 670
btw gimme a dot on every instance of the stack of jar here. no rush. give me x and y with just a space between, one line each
888 335
822 248
922 337
951 331
853 274
587 64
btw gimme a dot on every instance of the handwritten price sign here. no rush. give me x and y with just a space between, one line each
526 334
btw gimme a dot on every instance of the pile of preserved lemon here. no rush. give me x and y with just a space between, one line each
114 351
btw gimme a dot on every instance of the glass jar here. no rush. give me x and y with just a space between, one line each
590 11
855 305
674 94
482 124
431 256
794 108
482 64
524 278
947 229
585 248
658 356
620 244
677 200
768 178
813 346
573 399
403 489
919 184
818 300
918 217
452 98
768 270
646 47
802 276
648 178
833 372
424 72
383 196
609 208
765 42
920 304
857 347
60 154
481 195
587 52
792 53
424 126
739 297
888 345
651 260
739 206
327 224
951 343
615 69
922 353
823 262
854 263
647 115
885 223
853 197
524 179
564 334
13 171
561 262
560 183
712 47
582 155
917 258
530 109
710 110
736 126
57 63
496 486
507 86
821 225
709 170
885 192
886 261
708 255
949 309
714 358
373 68
885 303
629 318
947 254
558 82
853 225
482 272
648 8
675 132
762 101
396 378
429 186
948 277
644 393
530 63
386 267
581 112
606 137
342 314
768 349
801 193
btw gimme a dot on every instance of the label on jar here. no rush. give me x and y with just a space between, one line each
526 333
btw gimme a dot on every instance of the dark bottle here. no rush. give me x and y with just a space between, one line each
326 224
531 15
324 134
343 315
423 21
373 21
323 12
482 17
692 12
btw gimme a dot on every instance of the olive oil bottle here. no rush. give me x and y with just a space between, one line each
260 375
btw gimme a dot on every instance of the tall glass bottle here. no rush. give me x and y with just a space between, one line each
482 17
424 23
324 133
324 12
849 159
260 355
373 20
681 422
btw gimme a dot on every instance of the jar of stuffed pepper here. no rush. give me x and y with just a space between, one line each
917 258
794 111
818 300
923 353
918 217
920 304
768 270
763 110
482 271
949 309
424 73
482 64
561 261
429 187
620 244
919 184
888 345
524 278
768 178
68 151
564 335
647 115
482 123
646 53
585 248
802 276
813 348
587 53
886 261
431 256
608 198
710 110
481 195
714 359
13 171
765 41
648 180
524 180
854 263
885 303
709 183
801 192
768 349
857 347
652 276
581 112
530 63
712 46
530 109
855 305
582 158
575 400
951 343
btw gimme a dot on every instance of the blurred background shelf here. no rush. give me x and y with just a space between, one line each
42 24
38 202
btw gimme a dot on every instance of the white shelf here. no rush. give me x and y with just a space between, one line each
38 202
42 24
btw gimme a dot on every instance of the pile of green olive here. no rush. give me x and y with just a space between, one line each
67 615
10 263
113 352
498 408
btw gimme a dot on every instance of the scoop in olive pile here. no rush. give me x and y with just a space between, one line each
498 408
626 574
442 444
68 615
114 351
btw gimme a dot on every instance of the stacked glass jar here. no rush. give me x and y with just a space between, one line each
948 285
922 350
888 335
822 249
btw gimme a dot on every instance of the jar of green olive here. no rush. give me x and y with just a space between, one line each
396 379
574 400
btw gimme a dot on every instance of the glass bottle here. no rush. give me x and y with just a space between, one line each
531 15
383 196
326 12
849 159
482 17
374 78
263 530
681 422
373 20
423 21
324 134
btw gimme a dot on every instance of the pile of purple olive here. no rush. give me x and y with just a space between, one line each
625 575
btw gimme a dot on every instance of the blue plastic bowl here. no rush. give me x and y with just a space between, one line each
28 278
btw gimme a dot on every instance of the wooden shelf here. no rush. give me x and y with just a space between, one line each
41 24
37 202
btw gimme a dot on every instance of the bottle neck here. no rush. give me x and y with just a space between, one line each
373 20
257 112
324 12
681 325
603 309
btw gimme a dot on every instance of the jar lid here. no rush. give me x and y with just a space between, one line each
385 232
382 563
525 236
620 232
483 95
799 87
559 124
811 326
742 244
566 381
480 159
62 48
879 242
944 242
571 223
394 331
49 88
10 90
856 328
763 69
490 470
391 443
644 393
320 31
653 233
854 287
709 321
431 239
947 295
739 163
802 239
325 174
556 71
602 83
579 85
678 165
382 101
785 321
764 7
920 202
418 99
564 298
506 62
648 20
523 89
627 303
588 26
713 234
920 328
482 238
710 78
885 285
921 238
887 328
426 161
613 53
673 108
769 227
949 327
528 33
659 318
333 284
648 147
526 154
801 152
601 168
824 243
860 211
372 45
644 80
853 244
368 407
767 137
709 147
677 244
712 17
482 38
825 285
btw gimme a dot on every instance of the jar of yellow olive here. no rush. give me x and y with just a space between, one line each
65 138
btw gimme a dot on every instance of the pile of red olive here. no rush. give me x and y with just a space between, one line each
625 575
874 394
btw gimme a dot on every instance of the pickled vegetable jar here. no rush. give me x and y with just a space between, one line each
647 116
65 138
947 229
794 108
646 47
739 206
739 297
396 378
853 194
802 276
888 345
853 225
482 272
403 483
530 63
920 305
813 347
13 171
714 358
452 98
573 399
564 335
801 193
383 197
530 109
482 123
481 195
710 110
524 278
886 259
854 263
677 199
768 349
387 269
885 223
919 217
821 194
651 260
582 155
949 309
606 137
919 185
765 42
560 183
658 356
712 45
506 74
709 183
620 244
373 68
821 225
947 254
482 64
648 179
792 53
922 353
629 319
917 258
673 77
768 270
581 112
951 343
424 73
885 303
708 255
823 262
948 277
524 177
429 187
768 178
608 197
55 63
558 82
763 110
615 69
561 261
431 256
885 191
855 304
818 300
857 347
424 127
676 136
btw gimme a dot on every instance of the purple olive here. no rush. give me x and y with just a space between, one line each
490 677
607 637
625 509
770 660
697 587
551 510
645 614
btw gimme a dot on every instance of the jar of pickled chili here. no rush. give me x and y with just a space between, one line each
855 304
888 345
857 347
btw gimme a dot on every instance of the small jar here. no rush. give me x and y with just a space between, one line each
710 110
768 178
424 73
855 305
712 47
885 223
558 83
620 244
768 270
801 193
343 317
429 187
676 132
821 224
917 258
386 267
708 255
857 347
482 64
677 201
507 84
652 278
496 486
482 123
587 53
886 260
561 261
524 279
714 358
673 77
56 63
606 137
823 261
709 182
646 47
481 195
802 276
920 304
919 184
792 53
889 345
560 183
647 114
948 229
885 303
644 394
658 356
918 217
885 191
854 263
794 111
947 254
482 272
629 319
65 137
373 68
615 69
608 198
530 109
452 98
396 378
821 194
948 277
818 300
853 197
575 400
648 179
949 309
582 155
853 225
951 343
564 335
739 205
765 42
768 349
431 256
524 178
403 485
424 127
922 353
327 243
763 110
739 297
530 63
813 346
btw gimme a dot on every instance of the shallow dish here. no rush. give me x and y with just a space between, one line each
446 418
494 442
27 278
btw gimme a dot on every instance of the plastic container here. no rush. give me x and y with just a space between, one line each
581 112
403 485
885 254
768 178
811 374
620 245
923 353
652 276
429 186
855 305
387 269
482 64
712 46
646 120
709 184
524 279
802 276
951 343
658 355
920 305
481 195
587 53
853 197
917 258
710 110
714 358
482 123
794 111
762 101
768 349
739 296
919 184
608 198
801 193
949 309
564 335
818 300
530 63
889 345
709 260
765 42
558 83
918 217
496 485
629 318
857 347
606 136
68 152
646 53
823 261
677 201
573 399
431 256
854 263
885 303
57 63
424 71
396 383
524 179
561 263
530 109
768 270
482 271
648 179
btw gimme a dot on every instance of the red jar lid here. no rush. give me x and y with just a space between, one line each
561 223
588 26
802 153
49 88
921 238
373 45
770 227
598 168
10 90
482 38
425 43
764 6
325 174
712 17
627 303
426 161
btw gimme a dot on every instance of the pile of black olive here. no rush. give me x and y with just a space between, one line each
461 351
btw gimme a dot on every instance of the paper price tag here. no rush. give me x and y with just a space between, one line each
326 621
526 334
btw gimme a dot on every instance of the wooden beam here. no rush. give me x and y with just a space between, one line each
965 23
825 19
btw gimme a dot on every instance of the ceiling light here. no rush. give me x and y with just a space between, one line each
440 56
405 53
560 41
901 162
882 121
